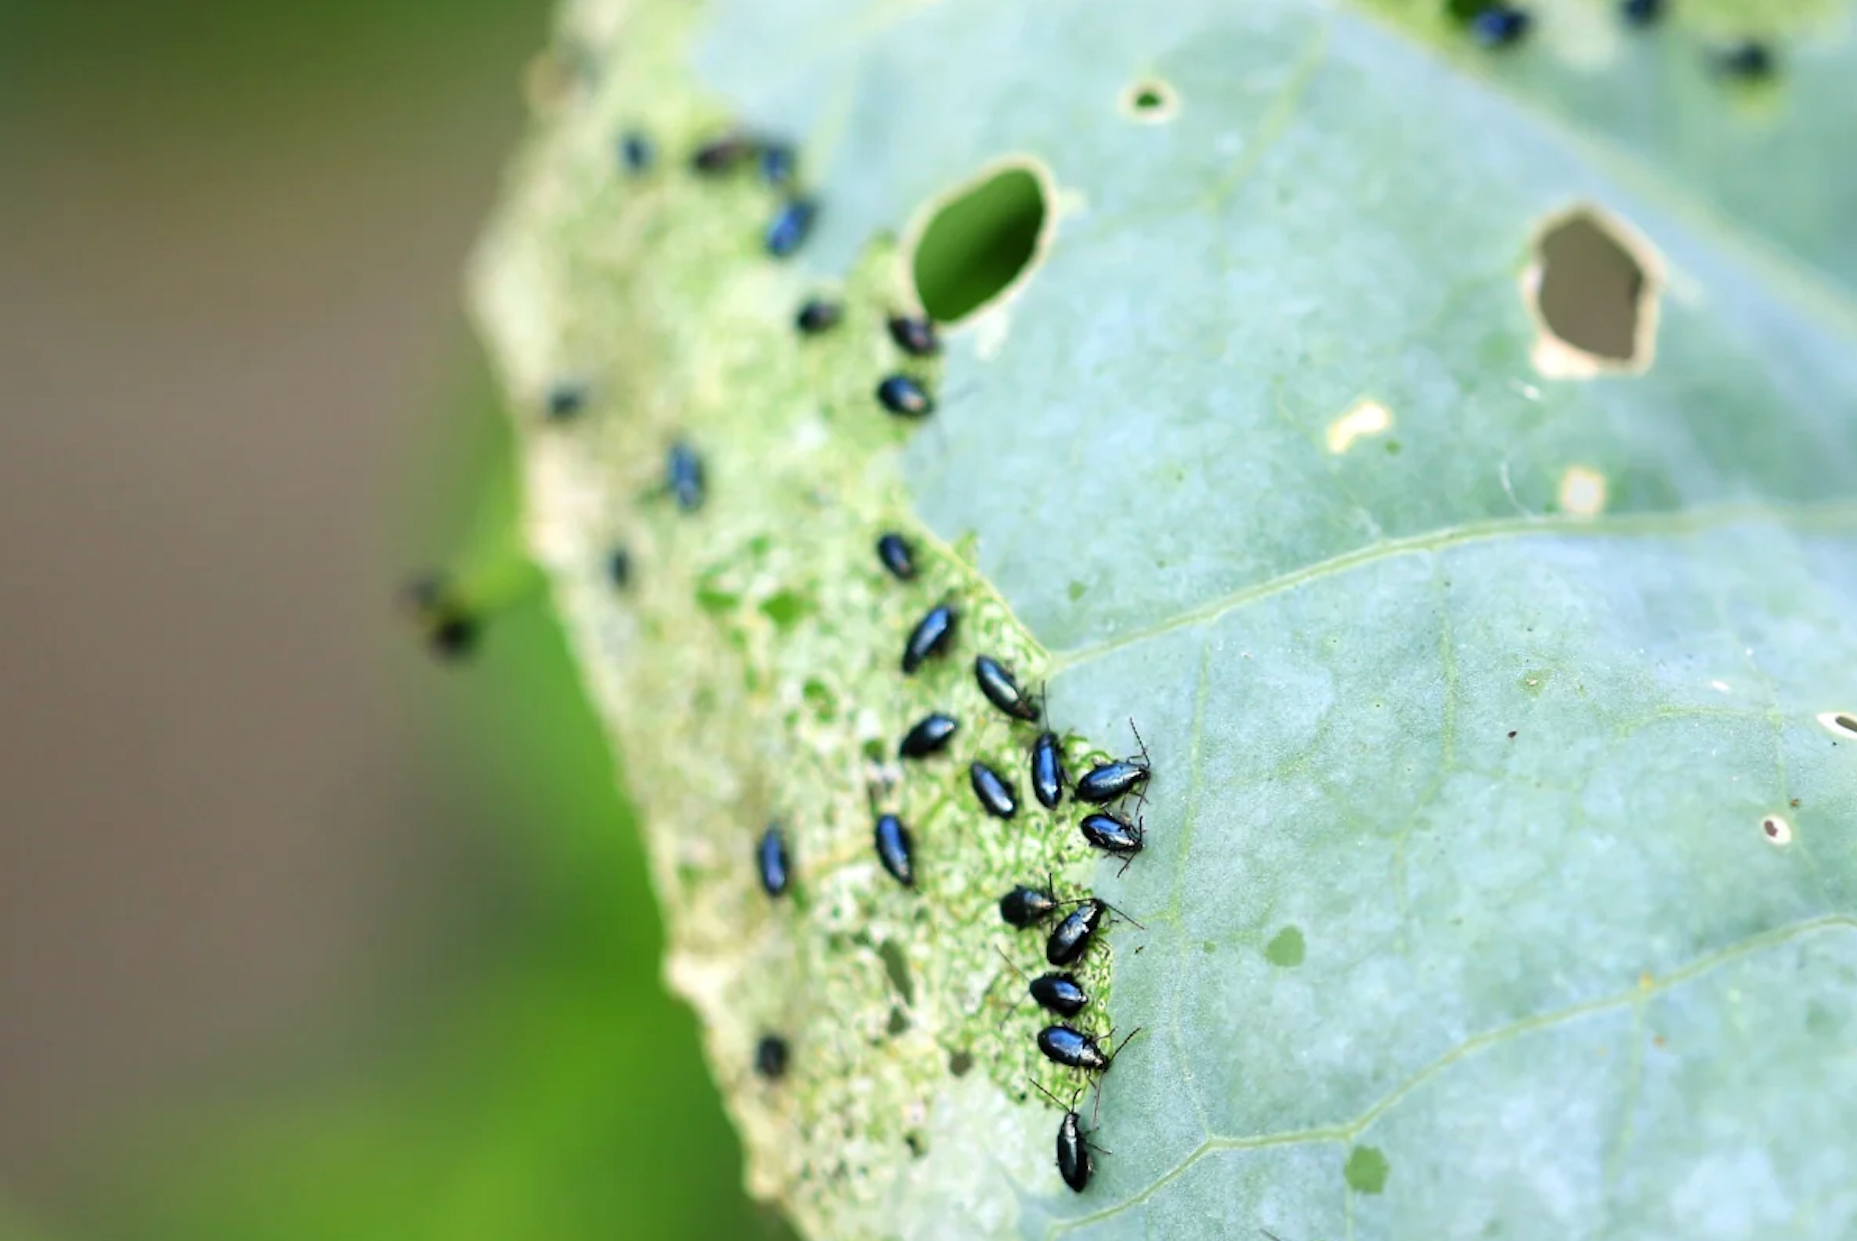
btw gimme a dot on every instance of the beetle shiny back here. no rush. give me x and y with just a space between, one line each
1047 771
895 850
929 637
930 735
997 796
1002 690
771 860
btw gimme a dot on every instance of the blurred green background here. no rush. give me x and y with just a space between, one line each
302 935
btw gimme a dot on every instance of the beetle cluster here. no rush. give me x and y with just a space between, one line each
778 163
1074 922
1500 24
1024 907
930 640
1058 991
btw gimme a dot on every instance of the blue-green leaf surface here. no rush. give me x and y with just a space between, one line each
1501 876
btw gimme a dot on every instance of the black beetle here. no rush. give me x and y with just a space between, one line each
450 629
789 227
996 794
1748 60
896 555
818 315
771 860
929 736
566 399
1107 781
1075 1050
1073 1144
1002 690
453 637
723 154
1116 837
1072 936
905 397
1499 25
1026 907
1047 771
619 567
778 163
914 335
683 476
636 153
1641 12
1058 993
893 850
929 637
770 1057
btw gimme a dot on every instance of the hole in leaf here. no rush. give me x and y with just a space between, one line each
898 1023
1593 289
1843 723
1151 101
978 242
896 965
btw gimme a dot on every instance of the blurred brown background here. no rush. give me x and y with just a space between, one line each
301 934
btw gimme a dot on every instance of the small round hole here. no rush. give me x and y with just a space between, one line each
979 242
1150 101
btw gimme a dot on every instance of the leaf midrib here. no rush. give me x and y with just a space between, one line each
1831 517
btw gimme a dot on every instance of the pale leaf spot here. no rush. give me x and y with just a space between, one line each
990 330
1362 418
1583 492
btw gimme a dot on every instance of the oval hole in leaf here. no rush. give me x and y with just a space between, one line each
980 241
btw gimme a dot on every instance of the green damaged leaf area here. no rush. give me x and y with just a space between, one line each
1504 769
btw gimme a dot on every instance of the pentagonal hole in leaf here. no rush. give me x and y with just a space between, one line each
1593 288
978 242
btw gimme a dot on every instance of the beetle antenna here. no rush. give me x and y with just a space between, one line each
1124 1043
1138 741
1014 1006
1068 1107
1118 913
